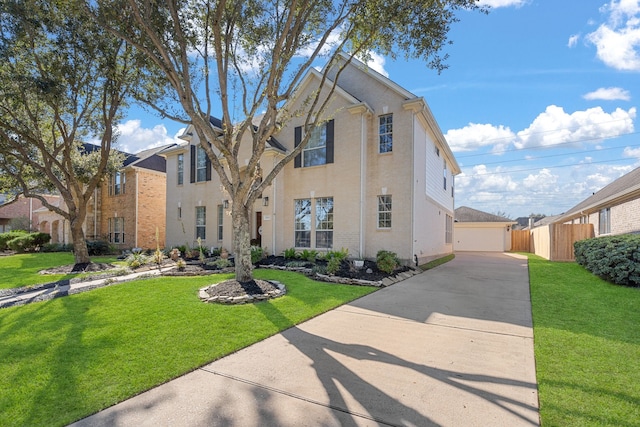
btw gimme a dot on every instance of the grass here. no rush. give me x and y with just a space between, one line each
587 347
22 269
67 358
437 262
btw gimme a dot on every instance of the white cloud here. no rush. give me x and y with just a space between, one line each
618 40
502 3
376 62
573 40
631 152
476 135
608 94
555 126
542 181
133 138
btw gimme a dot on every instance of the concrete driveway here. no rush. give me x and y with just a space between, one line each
450 347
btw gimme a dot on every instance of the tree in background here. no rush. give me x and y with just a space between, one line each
245 58
63 81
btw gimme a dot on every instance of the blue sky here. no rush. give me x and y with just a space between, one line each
538 103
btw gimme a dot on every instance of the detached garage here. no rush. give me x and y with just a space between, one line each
478 231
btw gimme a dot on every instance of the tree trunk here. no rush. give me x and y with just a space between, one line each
241 242
81 253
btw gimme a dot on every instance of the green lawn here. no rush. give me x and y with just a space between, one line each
587 347
22 269
64 359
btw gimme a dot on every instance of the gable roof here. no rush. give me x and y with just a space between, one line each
467 214
146 159
623 188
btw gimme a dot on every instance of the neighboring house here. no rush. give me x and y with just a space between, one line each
475 230
615 209
129 211
25 209
378 174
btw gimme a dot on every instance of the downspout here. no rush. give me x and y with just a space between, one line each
30 213
95 213
135 221
413 185
363 153
273 215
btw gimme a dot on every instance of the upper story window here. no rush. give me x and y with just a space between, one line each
116 183
444 174
180 169
200 165
386 133
384 211
319 148
604 221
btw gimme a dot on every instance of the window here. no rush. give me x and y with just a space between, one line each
604 223
302 225
324 222
448 233
180 169
116 230
201 222
201 164
220 221
444 174
319 148
116 184
384 211
452 183
179 212
386 133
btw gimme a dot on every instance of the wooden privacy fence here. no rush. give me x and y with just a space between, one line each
553 242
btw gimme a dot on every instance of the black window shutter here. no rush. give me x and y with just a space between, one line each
192 160
208 178
329 141
297 162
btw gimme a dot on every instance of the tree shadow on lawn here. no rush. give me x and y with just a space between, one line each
52 375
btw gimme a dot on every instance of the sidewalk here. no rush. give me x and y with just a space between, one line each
450 347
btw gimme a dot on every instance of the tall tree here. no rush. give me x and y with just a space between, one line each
215 55
63 80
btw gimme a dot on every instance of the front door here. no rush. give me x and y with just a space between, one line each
259 228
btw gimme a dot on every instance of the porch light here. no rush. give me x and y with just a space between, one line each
265 201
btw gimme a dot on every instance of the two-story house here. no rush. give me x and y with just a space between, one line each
377 174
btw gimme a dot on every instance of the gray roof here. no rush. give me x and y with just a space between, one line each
621 186
466 214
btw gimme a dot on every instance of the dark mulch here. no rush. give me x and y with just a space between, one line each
89 267
235 288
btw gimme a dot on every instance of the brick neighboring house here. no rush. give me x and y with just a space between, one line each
25 208
378 174
615 209
126 210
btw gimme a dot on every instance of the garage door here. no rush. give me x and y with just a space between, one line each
479 239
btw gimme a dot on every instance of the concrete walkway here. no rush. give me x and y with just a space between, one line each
450 347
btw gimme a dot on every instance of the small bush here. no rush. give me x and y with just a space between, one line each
56 247
614 258
22 243
98 247
309 255
10 235
137 259
387 261
220 263
257 253
290 253
341 255
333 265
296 264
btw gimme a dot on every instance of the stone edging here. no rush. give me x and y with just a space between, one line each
222 299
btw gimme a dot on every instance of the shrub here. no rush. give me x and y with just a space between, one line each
98 247
22 243
220 263
296 264
257 253
614 258
136 259
56 247
10 235
387 261
341 255
309 255
290 253
334 265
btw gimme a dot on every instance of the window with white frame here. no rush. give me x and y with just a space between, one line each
302 223
116 230
386 133
180 169
444 174
384 211
201 164
201 222
315 153
116 183
324 222
604 221
452 184
220 222
448 233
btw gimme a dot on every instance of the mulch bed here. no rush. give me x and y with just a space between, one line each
235 288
